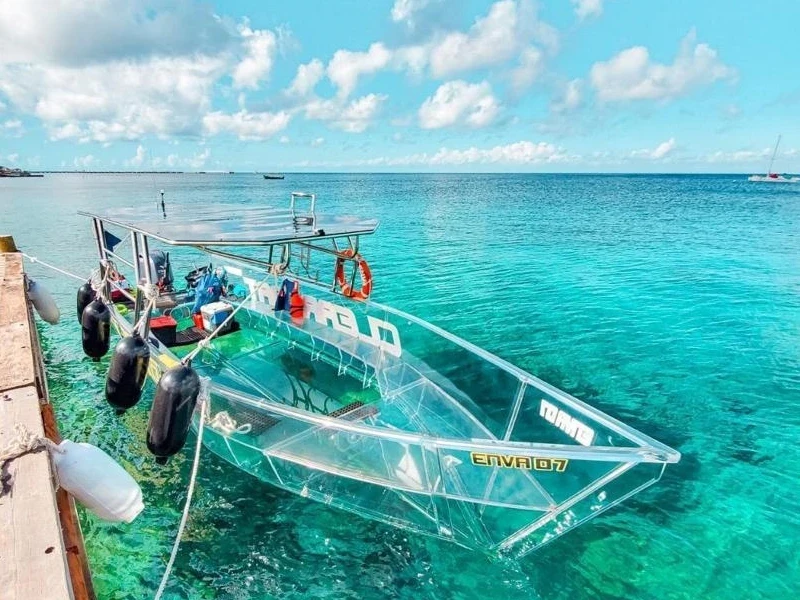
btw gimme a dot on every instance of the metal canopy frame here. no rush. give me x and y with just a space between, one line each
229 227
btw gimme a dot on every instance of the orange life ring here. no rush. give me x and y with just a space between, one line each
363 268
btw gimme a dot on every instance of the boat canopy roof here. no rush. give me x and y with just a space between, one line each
234 225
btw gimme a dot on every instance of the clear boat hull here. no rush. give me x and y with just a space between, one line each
374 411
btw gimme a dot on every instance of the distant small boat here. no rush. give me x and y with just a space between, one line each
273 176
771 177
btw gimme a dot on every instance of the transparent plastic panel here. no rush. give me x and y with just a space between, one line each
624 482
544 417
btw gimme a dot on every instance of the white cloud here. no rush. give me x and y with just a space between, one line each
2 105
284 139
490 39
308 75
317 142
631 75
84 162
570 98
198 160
531 64
404 10
458 101
353 117
72 33
517 153
260 46
358 115
104 70
139 158
118 100
246 125
346 67
739 156
13 127
657 153
588 8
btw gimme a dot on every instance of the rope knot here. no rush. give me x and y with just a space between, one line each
223 422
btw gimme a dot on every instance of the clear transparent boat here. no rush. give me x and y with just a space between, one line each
372 410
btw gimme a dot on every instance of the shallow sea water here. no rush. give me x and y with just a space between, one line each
670 302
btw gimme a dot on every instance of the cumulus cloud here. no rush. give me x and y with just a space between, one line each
517 153
84 162
306 79
531 65
571 97
12 128
72 33
459 102
353 117
260 46
346 67
404 11
139 158
493 39
119 100
631 75
246 125
588 8
657 153
110 70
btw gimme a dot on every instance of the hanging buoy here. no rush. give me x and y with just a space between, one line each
127 372
43 302
171 415
85 295
97 481
95 326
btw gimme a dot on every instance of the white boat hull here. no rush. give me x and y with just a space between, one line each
768 179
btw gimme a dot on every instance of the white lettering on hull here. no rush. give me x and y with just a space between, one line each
382 334
583 434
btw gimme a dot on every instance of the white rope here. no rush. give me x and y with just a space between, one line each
25 442
151 294
33 259
205 342
224 423
204 400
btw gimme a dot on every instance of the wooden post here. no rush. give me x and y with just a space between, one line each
37 527
7 244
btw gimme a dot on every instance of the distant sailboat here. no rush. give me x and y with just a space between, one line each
774 177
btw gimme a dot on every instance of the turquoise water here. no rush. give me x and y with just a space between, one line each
670 302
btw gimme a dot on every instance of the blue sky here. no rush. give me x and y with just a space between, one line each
400 85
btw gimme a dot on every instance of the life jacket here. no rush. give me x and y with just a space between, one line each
297 306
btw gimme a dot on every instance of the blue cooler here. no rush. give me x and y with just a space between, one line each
214 314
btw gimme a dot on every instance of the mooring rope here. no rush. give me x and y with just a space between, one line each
33 259
204 400
24 442
226 424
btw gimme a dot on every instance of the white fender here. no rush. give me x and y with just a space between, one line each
98 482
43 302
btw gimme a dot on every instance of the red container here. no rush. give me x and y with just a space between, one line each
198 320
164 328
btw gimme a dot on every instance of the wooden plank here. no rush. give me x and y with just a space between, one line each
32 556
16 352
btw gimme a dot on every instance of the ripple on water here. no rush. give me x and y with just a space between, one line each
670 302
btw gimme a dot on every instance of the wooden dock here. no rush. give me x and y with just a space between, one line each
41 547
